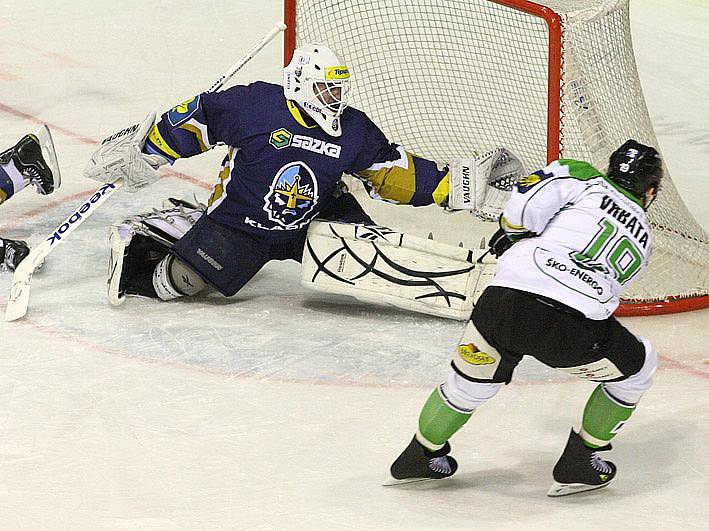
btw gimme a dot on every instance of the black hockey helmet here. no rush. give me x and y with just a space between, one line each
636 168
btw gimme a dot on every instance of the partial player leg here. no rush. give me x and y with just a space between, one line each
479 371
12 252
607 410
32 160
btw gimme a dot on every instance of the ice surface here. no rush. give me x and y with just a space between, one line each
282 408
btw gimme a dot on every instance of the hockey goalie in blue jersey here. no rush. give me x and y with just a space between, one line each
288 149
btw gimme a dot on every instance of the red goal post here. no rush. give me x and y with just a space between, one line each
543 78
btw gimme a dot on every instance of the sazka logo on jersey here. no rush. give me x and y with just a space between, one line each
292 195
283 138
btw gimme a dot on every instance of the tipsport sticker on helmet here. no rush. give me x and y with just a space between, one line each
182 112
336 72
292 195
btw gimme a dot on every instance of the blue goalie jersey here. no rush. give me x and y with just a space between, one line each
281 169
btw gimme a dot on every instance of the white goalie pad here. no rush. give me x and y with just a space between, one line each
120 157
163 226
381 266
483 185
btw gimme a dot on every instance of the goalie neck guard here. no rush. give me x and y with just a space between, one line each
319 82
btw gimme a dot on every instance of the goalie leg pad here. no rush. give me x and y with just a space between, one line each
139 244
379 265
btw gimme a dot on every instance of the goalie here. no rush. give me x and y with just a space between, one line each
288 148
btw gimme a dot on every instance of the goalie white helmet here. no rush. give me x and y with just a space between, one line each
319 82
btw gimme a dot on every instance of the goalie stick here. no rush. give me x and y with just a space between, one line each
18 300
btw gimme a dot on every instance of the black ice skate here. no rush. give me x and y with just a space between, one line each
35 158
12 252
416 463
579 468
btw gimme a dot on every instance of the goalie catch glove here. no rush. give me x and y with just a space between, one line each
120 157
484 184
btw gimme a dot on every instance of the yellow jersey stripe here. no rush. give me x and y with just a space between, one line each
159 142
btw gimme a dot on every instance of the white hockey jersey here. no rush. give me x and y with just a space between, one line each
593 238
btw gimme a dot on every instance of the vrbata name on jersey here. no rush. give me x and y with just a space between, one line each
629 220
589 238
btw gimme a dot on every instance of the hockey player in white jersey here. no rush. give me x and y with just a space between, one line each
571 239
32 161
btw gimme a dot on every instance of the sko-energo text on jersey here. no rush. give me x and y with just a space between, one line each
593 238
281 170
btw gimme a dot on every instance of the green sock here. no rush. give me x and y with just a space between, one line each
438 421
603 417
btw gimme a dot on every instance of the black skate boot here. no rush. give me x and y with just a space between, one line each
579 468
12 252
416 463
36 160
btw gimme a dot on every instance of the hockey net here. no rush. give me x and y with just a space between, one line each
548 79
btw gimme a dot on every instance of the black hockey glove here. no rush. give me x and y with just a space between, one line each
12 252
499 243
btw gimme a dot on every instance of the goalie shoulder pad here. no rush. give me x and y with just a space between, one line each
378 265
484 184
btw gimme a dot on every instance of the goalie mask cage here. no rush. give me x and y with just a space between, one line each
547 79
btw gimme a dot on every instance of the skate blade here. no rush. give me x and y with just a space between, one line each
564 489
393 482
49 153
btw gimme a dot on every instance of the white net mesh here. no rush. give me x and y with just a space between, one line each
446 79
